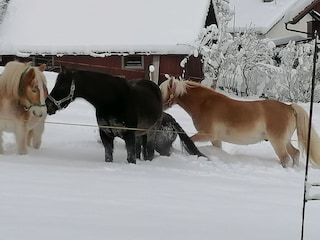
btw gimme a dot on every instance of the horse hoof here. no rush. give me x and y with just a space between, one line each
108 160
132 161
23 152
36 145
285 164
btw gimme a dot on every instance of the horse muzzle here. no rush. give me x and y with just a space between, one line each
39 112
51 107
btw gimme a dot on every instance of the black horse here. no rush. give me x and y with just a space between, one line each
166 134
124 109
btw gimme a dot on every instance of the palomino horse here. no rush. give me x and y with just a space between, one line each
22 104
219 118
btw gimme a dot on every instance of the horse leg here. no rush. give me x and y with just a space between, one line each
107 142
147 148
130 140
294 153
281 151
138 147
202 137
21 138
29 138
35 135
217 143
1 142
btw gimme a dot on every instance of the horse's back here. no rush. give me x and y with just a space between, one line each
146 87
279 117
247 122
268 110
271 115
272 110
148 101
147 94
138 103
110 95
104 85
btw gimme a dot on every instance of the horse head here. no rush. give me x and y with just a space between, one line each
171 89
33 91
62 93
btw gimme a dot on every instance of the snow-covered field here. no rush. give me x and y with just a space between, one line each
66 191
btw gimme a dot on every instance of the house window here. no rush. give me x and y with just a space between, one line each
133 62
48 60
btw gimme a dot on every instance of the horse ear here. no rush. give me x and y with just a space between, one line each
42 67
65 70
171 83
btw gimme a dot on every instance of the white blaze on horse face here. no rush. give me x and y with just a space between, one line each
40 111
42 93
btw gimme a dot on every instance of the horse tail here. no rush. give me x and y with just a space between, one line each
302 125
185 140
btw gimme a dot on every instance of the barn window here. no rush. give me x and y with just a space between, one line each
132 61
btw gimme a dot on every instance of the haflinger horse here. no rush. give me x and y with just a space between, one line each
23 110
219 118
125 109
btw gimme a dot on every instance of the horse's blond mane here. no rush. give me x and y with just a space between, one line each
180 87
11 75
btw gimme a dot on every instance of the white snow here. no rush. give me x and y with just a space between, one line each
296 9
259 15
101 26
66 191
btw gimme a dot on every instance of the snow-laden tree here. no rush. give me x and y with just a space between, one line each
213 43
296 68
3 8
245 65
242 63
291 79
231 62
213 46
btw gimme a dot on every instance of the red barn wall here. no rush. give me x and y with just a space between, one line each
169 64
111 65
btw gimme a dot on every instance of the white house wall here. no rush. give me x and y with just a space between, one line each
279 30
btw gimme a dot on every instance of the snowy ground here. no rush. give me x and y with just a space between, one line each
66 191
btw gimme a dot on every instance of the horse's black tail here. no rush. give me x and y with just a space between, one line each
186 142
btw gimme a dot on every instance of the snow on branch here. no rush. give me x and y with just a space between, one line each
3 8
245 65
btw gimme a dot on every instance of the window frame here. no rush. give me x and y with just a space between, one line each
125 60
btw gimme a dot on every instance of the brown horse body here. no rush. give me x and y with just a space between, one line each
22 104
219 118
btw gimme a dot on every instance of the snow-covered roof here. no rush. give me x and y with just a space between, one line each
259 15
300 10
101 26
